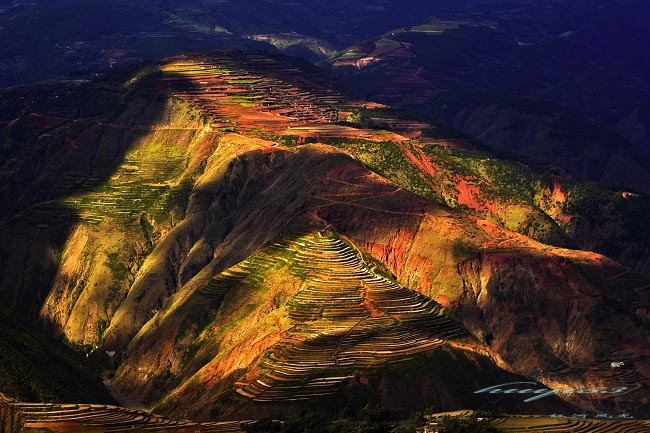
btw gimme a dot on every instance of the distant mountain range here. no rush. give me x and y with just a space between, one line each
45 39
557 82
560 82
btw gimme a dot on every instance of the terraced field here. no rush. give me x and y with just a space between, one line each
113 419
625 376
570 425
249 92
4 399
135 188
550 424
146 180
105 418
347 316
226 86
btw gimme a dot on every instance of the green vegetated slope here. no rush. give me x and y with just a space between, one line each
191 252
87 205
548 205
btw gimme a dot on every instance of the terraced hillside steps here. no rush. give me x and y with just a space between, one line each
569 425
105 418
557 423
149 178
347 316
231 88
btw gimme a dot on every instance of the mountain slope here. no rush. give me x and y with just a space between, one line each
546 205
210 231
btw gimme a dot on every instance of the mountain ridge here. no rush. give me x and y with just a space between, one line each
159 212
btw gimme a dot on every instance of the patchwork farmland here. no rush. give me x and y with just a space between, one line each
248 92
